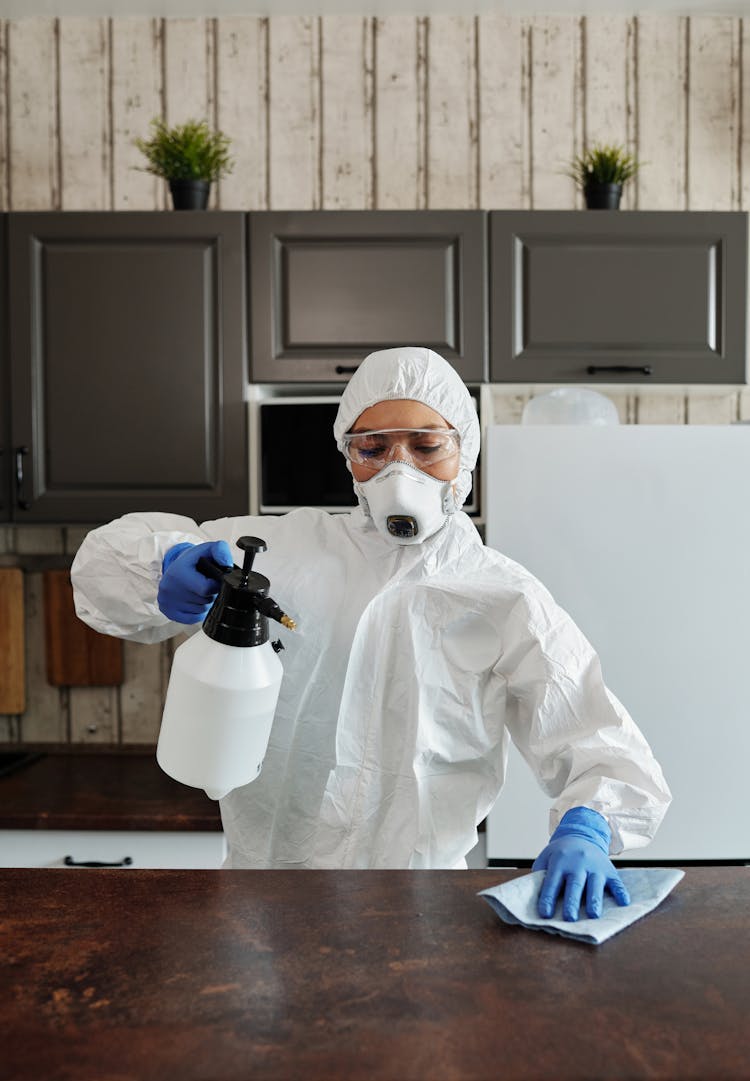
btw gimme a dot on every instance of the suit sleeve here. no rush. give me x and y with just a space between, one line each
579 740
117 569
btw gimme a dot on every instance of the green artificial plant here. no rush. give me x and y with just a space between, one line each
189 151
603 164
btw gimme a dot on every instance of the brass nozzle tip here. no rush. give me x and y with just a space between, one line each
287 621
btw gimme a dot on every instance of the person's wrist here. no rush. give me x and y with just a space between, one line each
587 824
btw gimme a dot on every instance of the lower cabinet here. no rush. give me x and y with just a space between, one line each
124 848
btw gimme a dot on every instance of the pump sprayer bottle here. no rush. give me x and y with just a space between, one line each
224 684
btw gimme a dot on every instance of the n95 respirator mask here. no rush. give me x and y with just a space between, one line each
405 504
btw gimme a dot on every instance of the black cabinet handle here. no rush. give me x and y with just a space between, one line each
644 369
70 862
21 503
343 369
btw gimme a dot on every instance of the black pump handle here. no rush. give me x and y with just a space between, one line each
250 546
212 569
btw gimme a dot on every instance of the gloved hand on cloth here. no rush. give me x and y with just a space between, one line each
575 859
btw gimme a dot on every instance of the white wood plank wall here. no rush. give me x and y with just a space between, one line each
346 112
398 111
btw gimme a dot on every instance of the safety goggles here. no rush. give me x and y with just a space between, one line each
422 447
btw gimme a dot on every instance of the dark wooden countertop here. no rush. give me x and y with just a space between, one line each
86 790
227 975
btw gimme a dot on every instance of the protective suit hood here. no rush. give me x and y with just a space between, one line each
420 375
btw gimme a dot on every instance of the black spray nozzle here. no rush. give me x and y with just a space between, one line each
271 609
237 615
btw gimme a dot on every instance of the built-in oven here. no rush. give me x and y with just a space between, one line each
294 460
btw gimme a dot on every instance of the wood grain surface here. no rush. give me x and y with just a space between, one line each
135 975
90 789
77 656
352 112
12 663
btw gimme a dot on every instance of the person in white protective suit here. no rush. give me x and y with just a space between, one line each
420 652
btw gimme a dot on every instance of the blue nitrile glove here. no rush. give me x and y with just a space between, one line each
185 595
577 857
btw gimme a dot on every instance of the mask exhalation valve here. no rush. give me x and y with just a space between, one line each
402 525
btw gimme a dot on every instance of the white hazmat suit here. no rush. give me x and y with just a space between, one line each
412 666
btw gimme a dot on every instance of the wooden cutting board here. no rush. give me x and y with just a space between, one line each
12 664
76 655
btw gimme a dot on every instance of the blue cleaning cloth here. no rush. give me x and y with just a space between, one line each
516 901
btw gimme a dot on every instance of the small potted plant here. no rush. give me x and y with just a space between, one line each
601 172
188 156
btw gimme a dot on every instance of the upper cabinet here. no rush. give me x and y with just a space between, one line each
6 451
126 335
618 296
127 363
329 287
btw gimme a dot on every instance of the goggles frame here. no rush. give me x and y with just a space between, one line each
349 441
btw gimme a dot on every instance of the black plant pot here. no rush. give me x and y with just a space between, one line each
603 196
190 194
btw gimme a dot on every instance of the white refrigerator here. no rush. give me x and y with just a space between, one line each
642 533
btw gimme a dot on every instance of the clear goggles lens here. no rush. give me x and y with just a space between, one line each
421 446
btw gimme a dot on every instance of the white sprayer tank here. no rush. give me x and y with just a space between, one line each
224 684
218 714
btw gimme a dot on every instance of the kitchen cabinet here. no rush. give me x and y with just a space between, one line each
76 807
329 287
127 365
618 297
124 848
6 459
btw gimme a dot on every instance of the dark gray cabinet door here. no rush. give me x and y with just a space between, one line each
618 296
128 363
329 287
6 447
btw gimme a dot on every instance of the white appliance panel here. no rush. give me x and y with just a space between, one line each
642 533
